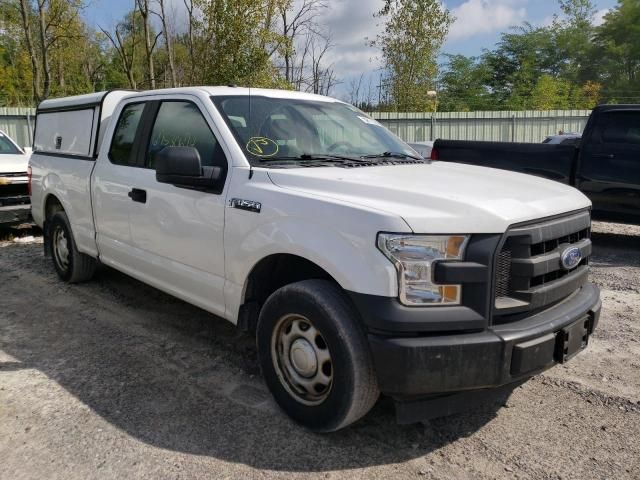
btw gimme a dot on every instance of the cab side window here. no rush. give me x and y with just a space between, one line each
621 127
180 124
122 151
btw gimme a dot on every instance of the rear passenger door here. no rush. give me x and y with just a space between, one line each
609 170
177 233
113 175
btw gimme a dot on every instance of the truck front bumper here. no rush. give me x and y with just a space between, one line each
411 367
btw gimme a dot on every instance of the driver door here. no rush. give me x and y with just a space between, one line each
177 233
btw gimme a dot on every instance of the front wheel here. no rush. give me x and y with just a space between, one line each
71 265
315 357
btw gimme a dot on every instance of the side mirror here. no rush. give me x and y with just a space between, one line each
181 166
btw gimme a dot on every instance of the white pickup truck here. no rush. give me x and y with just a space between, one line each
360 267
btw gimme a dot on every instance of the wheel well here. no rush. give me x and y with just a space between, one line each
270 274
52 206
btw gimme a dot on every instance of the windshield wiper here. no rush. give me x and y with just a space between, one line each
315 156
392 155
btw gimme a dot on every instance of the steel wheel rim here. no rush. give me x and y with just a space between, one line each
61 248
302 359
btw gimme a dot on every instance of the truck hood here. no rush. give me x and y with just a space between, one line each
439 197
10 163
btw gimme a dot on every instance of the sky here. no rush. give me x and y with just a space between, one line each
478 26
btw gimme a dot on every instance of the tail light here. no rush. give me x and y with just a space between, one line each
435 155
29 180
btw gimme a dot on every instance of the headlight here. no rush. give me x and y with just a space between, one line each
414 257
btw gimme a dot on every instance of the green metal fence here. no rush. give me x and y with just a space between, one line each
524 126
510 126
18 124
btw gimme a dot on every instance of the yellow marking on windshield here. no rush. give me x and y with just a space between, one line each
262 147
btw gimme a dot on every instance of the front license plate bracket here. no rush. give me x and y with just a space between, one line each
572 339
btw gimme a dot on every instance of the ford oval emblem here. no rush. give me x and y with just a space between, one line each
570 258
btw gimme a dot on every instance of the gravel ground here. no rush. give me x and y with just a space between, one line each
113 379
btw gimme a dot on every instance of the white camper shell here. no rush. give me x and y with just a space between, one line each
75 125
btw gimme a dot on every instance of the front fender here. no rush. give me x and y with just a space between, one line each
351 259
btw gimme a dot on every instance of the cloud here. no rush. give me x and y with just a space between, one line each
598 18
475 17
350 23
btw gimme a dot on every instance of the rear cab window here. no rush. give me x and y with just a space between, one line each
122 151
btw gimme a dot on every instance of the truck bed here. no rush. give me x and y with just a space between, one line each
554 162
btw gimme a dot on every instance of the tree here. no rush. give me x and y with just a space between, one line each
618 52
46 24
573 36
298 21
231 41
168 42
531 67
61 49
149 43
124 41
414 31
550 93
520 59
15 64
323 77
462 85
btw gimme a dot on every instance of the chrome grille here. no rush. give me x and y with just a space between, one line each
528 271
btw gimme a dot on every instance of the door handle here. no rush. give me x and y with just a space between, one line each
138 195
604 155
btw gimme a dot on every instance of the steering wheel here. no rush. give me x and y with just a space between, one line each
335 146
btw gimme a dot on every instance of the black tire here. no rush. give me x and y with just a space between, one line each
73 267
353 389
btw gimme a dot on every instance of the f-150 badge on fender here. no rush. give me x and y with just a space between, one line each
249 205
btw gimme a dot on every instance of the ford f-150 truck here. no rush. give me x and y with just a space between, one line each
360 267
14 195
604 164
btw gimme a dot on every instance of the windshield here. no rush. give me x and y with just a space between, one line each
7 146
270 129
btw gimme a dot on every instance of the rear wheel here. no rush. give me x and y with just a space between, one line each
315 356
71 265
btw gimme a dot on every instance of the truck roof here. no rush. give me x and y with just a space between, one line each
622 106
96 99
240 91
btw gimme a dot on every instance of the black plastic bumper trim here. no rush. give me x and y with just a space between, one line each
421 409
388 315
459 272
425 365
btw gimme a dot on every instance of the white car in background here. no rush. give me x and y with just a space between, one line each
423 148
15 205
564 139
